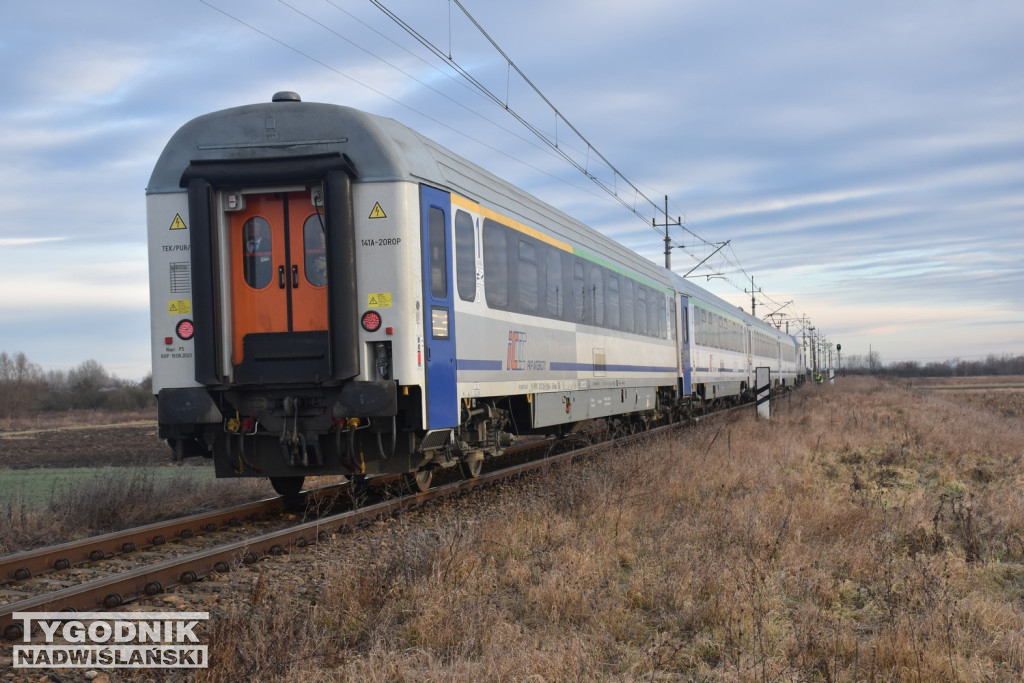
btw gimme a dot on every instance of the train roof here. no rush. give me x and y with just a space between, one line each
380 149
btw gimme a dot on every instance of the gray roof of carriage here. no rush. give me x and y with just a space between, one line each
381 149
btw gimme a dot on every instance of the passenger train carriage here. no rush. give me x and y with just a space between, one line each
333 293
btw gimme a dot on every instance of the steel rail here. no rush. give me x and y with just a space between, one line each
26 564
111 592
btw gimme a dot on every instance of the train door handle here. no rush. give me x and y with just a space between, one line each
295 277
280 277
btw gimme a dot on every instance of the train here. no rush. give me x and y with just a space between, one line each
332 293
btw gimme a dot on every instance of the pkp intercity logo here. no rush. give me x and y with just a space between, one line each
97 640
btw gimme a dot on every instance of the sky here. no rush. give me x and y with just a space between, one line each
864 161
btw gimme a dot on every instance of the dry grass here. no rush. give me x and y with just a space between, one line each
113 499
865 533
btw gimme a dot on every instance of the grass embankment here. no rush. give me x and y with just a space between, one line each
47 506
864 533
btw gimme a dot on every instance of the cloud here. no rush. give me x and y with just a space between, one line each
864 160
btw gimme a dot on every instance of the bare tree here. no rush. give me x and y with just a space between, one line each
21 384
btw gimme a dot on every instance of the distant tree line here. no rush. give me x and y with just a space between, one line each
993 364
1004 364
26 388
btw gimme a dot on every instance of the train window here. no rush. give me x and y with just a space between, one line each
597 293
257 253
641 310
613 302
579 289
671 316
314 244
465 256
686 323
662 316
553 286
495 264
627 305
527 278
656 313
438 246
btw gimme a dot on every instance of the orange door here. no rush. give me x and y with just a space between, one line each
278 267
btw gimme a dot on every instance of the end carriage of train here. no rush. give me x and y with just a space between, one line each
332 293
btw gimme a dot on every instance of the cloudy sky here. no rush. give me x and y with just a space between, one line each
864 160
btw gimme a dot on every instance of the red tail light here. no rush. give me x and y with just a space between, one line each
371 321
185 329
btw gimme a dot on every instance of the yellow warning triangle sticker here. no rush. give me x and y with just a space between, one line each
177 223
377 211
373 300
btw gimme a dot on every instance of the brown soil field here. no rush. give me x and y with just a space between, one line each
125 443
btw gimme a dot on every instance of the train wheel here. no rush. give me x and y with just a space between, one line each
419 481
289 487
471 469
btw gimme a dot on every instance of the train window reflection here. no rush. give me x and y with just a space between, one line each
554 283
641 310
597 293
613 302
465 256
314 244
495 264
438 256
528 277
627 305
257 253
579 289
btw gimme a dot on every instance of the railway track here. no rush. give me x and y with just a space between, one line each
155 575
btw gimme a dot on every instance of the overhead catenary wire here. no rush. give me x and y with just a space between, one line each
559 144
552 142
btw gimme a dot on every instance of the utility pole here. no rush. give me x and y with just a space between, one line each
805 326
814 348
753 303
668 242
